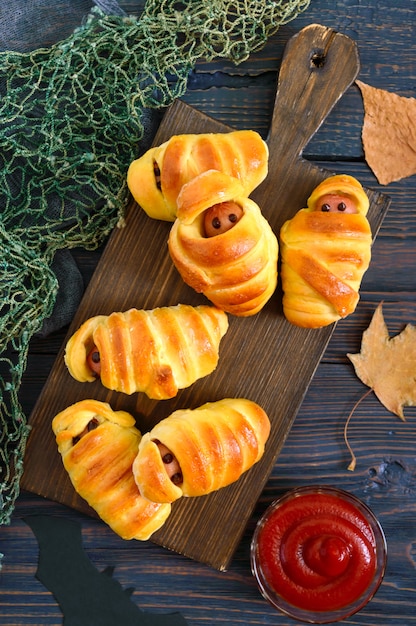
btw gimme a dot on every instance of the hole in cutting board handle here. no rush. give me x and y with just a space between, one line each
318 59
317 67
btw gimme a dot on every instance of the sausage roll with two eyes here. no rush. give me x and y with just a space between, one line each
325 251
98 447
194 452
157 352
223 246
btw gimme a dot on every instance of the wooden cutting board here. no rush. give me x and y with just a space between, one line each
263 358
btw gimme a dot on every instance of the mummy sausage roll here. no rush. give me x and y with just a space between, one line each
325 251
195 452
156 178
222 245
156 352
98 447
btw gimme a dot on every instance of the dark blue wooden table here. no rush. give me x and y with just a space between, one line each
314 452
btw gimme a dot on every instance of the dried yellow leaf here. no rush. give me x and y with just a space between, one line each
388 133
388 364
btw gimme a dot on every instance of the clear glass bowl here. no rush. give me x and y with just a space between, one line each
273 563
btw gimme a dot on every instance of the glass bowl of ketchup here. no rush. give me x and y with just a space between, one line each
318 554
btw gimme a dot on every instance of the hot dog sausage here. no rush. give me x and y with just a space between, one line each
221 217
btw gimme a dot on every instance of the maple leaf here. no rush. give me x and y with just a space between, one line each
388 365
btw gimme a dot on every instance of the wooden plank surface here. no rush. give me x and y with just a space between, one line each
263 358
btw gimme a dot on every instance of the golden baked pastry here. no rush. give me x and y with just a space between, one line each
195 452
156 178
325 251
98 446
235 269
156 352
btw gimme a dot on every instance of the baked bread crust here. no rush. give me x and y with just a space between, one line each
237 269
156 178
99 464
324 257
156 352
213 444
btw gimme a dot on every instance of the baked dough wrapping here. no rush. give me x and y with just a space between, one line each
156 178
325 251
212 446
237 269
157 351
98 447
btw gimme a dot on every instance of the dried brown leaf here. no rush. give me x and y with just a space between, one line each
389 133
388 364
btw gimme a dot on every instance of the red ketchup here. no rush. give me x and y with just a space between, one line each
318 554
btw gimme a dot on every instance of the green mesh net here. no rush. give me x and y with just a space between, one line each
71 119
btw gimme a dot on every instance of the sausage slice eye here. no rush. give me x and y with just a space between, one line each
168 458
337 203
221 217
94 361
171 463
177 478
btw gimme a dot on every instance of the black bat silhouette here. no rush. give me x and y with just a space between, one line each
86 596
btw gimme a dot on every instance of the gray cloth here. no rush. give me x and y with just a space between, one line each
70 292
26 25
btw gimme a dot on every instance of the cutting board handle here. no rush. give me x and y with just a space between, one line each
318 66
